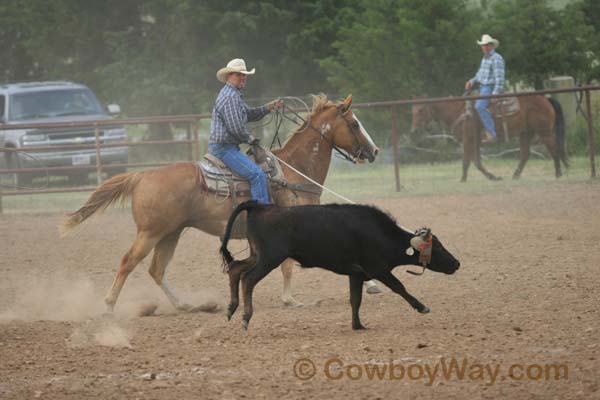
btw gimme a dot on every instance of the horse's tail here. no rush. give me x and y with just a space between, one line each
118 187
247 205
559 131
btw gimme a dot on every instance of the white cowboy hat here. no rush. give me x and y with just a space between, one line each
485 39
235 65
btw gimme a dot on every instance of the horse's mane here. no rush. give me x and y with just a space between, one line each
320 103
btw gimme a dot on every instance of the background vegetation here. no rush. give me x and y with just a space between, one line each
159 57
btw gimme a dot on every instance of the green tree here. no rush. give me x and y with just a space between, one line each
540 41
390 49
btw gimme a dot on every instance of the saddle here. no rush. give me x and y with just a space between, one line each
221 181
224 182
503 108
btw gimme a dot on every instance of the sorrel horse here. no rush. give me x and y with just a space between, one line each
537 115
167 200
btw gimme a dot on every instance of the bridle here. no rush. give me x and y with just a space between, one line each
357 147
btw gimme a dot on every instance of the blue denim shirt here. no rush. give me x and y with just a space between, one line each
231 115
491 71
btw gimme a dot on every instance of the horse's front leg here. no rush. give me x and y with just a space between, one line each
468 154
465 169
478 163
286 296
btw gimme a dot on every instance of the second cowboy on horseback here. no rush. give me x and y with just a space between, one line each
490 79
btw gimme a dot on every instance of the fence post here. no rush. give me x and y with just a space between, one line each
188 135
590 136
98 161
196 141
395 144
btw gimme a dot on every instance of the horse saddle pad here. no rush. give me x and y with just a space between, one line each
221 180
505 107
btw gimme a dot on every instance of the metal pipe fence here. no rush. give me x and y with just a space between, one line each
192 123
392 106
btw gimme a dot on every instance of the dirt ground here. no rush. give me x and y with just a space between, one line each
520 319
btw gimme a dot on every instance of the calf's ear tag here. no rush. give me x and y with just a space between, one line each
410 251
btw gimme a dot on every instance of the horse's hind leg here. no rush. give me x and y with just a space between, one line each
553 150
144 242
524 151
163 253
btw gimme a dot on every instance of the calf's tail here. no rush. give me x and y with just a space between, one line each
247 205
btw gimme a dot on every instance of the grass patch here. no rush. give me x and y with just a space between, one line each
368 181
361 182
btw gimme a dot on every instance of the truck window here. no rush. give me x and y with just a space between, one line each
49 104
2 104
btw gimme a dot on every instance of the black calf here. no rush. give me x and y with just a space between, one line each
355 240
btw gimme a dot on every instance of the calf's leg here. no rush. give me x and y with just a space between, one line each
236 269
390 281
249 281
356 283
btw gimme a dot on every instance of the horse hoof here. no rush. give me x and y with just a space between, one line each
359 327
374 290
146 309
291 302
425 310
245 322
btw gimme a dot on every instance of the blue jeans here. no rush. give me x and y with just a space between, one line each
244 167
481 107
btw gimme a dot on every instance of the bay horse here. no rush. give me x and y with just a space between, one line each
167 200
537 115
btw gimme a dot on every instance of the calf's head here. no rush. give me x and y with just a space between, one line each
431 253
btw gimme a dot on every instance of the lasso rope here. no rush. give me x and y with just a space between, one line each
313 181
37 160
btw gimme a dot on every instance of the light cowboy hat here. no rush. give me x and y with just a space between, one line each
485 39
235 65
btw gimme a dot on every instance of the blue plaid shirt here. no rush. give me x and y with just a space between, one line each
230 116
491 71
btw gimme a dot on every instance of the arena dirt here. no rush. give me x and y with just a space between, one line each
520 318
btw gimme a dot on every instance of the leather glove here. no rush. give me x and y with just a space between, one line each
275 104
253 140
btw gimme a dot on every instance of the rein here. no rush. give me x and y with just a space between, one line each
341 152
